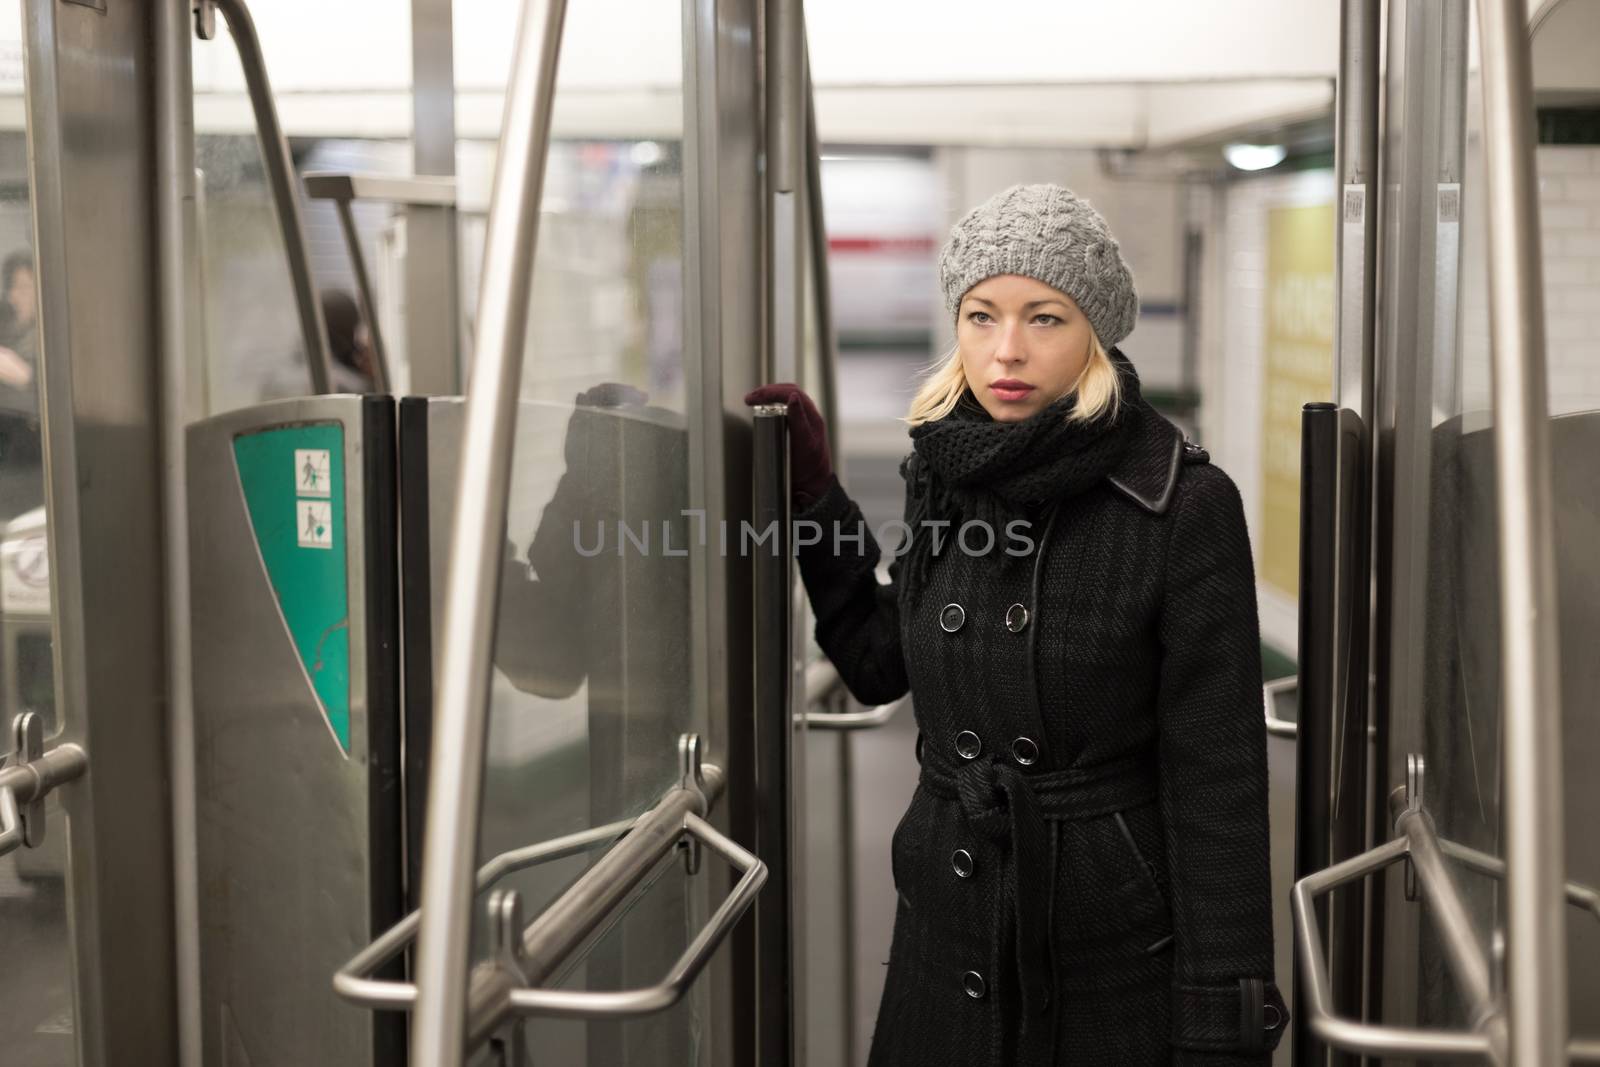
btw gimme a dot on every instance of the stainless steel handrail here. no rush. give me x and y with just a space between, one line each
343 190
477 531
823 687
1418 842
353 981
1536 956
1275 726
280 177
535 953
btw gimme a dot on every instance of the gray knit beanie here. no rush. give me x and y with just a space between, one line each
1051 234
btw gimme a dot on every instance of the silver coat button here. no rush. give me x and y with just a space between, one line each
1016 618
961 860
952 618
1024 751
972 982
968 745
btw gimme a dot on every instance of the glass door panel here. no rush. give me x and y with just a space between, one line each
38 1023
592 687
1439 652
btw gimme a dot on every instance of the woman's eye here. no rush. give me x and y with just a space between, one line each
978 317
1047 320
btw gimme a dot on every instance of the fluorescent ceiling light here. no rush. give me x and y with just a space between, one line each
1254 156
646 154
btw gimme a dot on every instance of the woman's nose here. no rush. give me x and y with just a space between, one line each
1010 347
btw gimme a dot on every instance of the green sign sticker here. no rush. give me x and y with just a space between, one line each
293 482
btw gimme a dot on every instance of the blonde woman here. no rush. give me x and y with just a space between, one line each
1083 868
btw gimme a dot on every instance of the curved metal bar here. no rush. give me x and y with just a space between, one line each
483 483
1275 726
280 176
1352 1035
1530 668
1467 962
1578 895
823 684
580 1004
855 720
351 981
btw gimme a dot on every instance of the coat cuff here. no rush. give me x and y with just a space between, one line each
832 504
1244 1020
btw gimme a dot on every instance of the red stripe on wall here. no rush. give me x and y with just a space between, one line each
883 245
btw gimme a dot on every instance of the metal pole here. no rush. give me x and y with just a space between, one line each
455 797
1315 723
776 977
432 342
1536 951
285 195
786 133
177 265
822 282
369 310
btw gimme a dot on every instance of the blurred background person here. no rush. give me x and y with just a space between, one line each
19 334
349 342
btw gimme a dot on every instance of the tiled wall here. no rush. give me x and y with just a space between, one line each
1569 203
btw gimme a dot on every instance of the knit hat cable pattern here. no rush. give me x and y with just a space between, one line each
967 466
1048 233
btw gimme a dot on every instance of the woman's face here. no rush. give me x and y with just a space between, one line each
1023 345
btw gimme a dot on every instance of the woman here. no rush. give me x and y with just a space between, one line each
1083 869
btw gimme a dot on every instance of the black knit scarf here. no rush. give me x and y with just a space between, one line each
967 466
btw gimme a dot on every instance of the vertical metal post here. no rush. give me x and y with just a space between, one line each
1536 952
786 142
98 377
455 792
776 913
432 345
1357 130
176 246
827 392
724 343
1313 844
821 282
1356 146
285 193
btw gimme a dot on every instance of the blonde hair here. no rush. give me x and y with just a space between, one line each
1099 388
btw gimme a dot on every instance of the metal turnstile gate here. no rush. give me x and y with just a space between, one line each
297 723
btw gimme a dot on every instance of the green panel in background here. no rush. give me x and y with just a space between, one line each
293 482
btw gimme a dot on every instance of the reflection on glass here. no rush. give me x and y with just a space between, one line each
593 651
37 1022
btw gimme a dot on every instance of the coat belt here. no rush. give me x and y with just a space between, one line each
1011 808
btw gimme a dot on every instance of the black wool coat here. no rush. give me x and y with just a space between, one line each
1083 869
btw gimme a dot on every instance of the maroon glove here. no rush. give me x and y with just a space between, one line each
810 466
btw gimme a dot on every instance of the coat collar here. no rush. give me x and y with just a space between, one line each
1147 471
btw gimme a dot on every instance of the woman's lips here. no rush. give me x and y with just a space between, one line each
1010 392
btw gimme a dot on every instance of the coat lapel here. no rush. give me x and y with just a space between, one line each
1147 471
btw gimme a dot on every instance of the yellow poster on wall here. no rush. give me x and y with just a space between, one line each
1299 369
